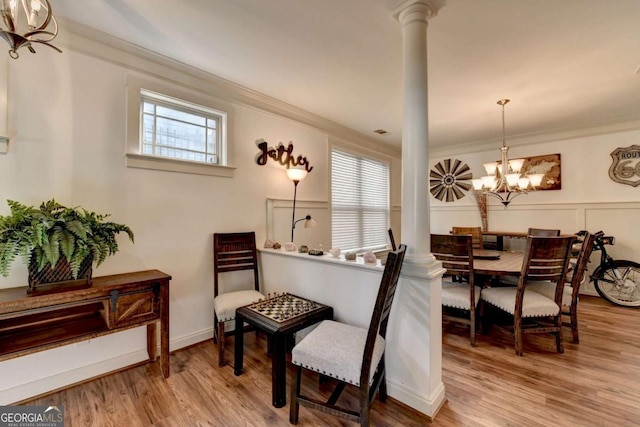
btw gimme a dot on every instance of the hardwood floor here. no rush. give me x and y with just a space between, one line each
595 383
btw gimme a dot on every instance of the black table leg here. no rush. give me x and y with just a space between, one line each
239 345
278 370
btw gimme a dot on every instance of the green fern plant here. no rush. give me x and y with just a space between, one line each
47 233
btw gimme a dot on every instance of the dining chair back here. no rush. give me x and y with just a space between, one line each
545 259
392 240
571 290
459 297
232 252
475 232
543 232
349 354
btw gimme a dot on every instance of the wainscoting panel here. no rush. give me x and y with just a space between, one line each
617 219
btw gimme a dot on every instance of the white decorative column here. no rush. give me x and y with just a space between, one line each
417 311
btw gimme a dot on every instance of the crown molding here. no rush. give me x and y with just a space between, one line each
613 126
88 41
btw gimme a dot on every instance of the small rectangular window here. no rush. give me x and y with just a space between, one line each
180 130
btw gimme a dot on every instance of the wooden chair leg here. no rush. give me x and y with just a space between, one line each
518 333
364 406
559 336
382 391
294 405
221 359
215 328
574 324
472 327
382 388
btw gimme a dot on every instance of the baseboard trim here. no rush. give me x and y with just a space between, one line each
419 403
63 380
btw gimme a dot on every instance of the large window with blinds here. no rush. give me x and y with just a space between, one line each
359 202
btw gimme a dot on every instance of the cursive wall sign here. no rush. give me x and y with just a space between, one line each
625 168
282 155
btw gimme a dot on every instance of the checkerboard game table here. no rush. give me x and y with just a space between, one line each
279 316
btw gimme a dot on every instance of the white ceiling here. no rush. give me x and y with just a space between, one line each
564 64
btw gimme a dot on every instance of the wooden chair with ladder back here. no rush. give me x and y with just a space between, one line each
475 232
545 259
459 297
543 232
349 354
571 290
233 252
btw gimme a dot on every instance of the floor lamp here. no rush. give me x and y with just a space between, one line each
297 175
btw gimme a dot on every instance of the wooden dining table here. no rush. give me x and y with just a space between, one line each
497 263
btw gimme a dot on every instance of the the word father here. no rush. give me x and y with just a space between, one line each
281 155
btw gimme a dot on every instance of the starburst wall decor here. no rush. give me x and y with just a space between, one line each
448 178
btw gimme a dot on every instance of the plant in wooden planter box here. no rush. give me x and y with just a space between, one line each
59 244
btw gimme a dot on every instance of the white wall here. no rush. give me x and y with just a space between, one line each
589 199
67 129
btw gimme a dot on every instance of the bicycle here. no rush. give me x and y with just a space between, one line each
615 280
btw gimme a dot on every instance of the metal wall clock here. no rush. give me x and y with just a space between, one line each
448 178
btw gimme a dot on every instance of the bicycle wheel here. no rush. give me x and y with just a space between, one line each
620 283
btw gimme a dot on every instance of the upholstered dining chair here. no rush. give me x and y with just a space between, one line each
349 354
475 232
232 252
459 298
571 290
545 259
543 232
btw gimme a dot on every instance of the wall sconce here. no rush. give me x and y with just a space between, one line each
297 175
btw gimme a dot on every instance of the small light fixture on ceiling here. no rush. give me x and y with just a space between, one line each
504 180
22 26
380 131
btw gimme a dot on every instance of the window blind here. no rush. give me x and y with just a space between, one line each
359 202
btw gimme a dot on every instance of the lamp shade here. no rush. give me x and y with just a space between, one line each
491 168
296 174
535 179
516 165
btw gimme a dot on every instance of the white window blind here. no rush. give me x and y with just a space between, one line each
180 130
359 202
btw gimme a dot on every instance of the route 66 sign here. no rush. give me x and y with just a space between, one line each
626 165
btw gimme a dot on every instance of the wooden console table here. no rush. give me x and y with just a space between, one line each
32 323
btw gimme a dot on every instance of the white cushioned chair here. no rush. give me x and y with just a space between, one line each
459 298
545 259
571 290
232 252
349 354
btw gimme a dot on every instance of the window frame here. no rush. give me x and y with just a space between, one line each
374 158
185 98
